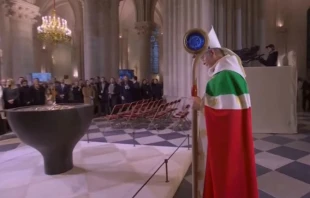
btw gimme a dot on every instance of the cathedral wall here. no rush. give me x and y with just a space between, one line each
289 32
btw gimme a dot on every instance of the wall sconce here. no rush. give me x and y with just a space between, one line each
75 73
120 36
280 24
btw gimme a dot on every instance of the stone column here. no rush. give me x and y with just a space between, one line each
76 54
161 66
238 24
121 41
101 38
179 17
43 60
1 62
123 50
221 16
144 26
262 24
144 30
21 53
5 43
91 39
114 38
267 20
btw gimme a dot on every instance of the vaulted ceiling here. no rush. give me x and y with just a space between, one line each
128 12
71 10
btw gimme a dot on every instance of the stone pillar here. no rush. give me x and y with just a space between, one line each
161 66
144 26
19 52
123 50
91 39
5 42
76 54
144 30
1 62
262 24
238 24
256 22
43 59
221 16
101 38
114 38
179 18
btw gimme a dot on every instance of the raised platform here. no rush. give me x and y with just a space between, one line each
273 93
102 170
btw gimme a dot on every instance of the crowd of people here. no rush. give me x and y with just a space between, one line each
97 91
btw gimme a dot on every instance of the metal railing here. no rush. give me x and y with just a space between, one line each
166 161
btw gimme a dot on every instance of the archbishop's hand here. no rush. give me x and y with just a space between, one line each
197 102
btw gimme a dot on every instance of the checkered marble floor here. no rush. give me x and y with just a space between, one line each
283 161
102 170
99 132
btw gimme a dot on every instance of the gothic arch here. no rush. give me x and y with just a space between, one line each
127 14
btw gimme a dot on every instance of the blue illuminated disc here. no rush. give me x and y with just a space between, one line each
195 41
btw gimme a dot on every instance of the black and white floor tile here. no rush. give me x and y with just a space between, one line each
282 164
282 161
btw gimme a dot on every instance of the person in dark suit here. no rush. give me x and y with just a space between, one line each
127 90
146 90
11 95
77 92
20 80
114 93
63 91
136 89
97 109
103 89
37 93
156 90
25 94
272 58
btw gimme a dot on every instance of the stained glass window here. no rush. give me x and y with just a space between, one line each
154 52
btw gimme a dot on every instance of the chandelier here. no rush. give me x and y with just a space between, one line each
54 29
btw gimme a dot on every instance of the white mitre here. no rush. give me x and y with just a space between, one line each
215 43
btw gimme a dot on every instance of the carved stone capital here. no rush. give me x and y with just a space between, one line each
21 10
144 27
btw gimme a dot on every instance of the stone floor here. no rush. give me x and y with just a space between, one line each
102 170
283 161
